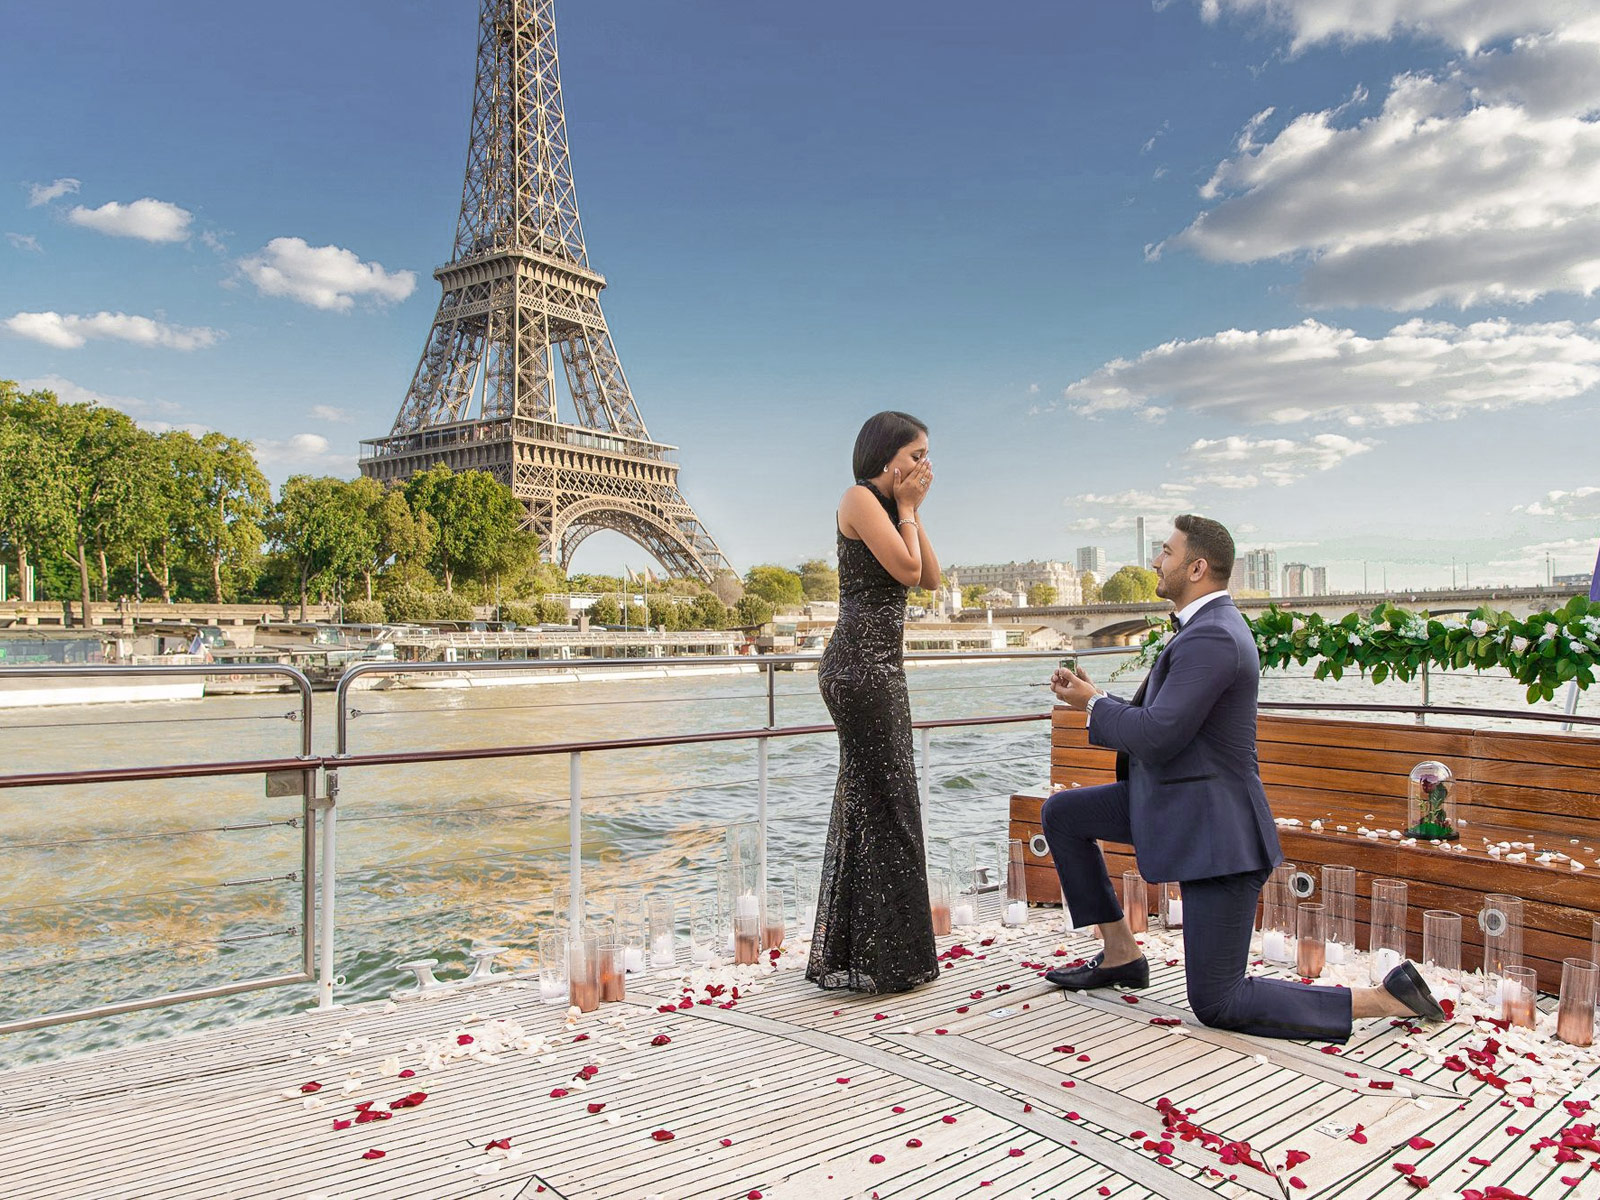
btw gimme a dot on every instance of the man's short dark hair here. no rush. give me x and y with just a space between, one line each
1209 540
880 439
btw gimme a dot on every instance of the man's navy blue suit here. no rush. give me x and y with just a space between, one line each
1188 797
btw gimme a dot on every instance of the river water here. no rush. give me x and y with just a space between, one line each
120 890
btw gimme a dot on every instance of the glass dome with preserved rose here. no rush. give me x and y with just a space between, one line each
1430 803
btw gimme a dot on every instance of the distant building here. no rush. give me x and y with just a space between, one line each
1139 543
1015 577
1092 558
1155 551
1261 571
1302 579
1583 579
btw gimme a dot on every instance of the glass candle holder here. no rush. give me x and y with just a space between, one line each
583 972
1441 940
746 937
1387 936
631 935
1310 939
1430 803
1519 996
1277 916
1016 910
805 915
663 931
1500 919
1339 898
1594 940
702 931
963 899
774 920
553 967
1575 1010
1171 905
1135 901
613 986
939 902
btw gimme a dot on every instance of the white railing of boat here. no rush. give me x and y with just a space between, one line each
320 814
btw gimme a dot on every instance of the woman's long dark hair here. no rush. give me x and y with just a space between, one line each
880 439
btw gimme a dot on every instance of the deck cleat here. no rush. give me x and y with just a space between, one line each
426 981
483 963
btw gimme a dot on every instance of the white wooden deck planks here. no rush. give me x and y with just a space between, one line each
203 1116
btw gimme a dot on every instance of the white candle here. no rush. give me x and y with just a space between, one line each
1384 960
1174 913
962 913
699 952
808 921
1016 912
1335 952
746 905
633 959
553 991
662 951
1275 946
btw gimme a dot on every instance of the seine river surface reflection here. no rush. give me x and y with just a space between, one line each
119 890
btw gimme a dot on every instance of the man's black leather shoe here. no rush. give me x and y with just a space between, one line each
1405 984
1135 974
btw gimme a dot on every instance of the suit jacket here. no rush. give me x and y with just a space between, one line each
1186 744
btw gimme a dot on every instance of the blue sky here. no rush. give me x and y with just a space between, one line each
1324 269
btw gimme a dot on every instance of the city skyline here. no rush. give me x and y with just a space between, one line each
1118 279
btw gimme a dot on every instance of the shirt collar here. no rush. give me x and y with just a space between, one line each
1186 614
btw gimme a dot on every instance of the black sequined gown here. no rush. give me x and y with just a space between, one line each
874 930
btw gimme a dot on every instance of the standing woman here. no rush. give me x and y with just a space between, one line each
874 929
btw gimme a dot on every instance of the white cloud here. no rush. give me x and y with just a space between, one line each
43 193
327 412
1162 504
213 241
25 241
1419 370
302 454
1477 183
1241 462
1582 503
72 393
148 219
1466 24
326 277
67 331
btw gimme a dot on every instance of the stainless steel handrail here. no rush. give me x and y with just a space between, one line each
306 765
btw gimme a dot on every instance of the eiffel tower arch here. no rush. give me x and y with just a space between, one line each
520 311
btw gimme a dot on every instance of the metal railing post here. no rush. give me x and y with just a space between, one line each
327 805
575 838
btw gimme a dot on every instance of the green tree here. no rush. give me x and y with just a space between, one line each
1091 587
778 586
751 610
707 612
34 497
475 514
972 594
921 597
394 535
818 581
1130 585
553 612
321 526
604 611
726 587
1041 595
224 509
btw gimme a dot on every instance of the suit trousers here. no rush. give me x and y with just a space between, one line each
1218 917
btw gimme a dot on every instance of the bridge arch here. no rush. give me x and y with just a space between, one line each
639 523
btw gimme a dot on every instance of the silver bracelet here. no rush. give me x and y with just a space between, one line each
907 522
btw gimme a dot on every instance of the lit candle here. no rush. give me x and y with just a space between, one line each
1335 952
941 919
1516 1004
633 959
699 952
746 905
963 912
1384 959
1139 921
1274 946
662 951
1575 1023
1016 912
1310 956
552 990
1174 914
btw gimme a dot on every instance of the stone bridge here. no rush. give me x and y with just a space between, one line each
1125 624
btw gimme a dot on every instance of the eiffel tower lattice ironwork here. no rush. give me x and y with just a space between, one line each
519 295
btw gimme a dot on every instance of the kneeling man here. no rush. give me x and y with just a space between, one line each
1188 797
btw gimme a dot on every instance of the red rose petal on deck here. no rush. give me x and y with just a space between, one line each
557 1093
941 1031
727 1141
1083 1058
1015 1152
1381 1085
338 1124
660 1039
1356 1135
597 1108
1420 1143
464 1039
373 1154
408 1073
414 1100
1127 999
1294 1158
1481 1162
842 1079
1296 1182
662 1135
948 1120
1417 1181
898 1108
582 1037
752 1194
875 1159
1063 1049
1404 1168
964 1008
880 1016
1513 1131
498 1144
913 1143
1105 1191
313 1086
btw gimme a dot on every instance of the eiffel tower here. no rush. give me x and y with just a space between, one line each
518 294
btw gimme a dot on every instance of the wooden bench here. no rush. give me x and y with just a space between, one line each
1516 787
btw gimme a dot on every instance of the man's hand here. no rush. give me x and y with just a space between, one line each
1072 687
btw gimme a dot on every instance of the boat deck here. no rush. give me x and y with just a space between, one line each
988 1082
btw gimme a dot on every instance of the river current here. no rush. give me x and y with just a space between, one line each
119 890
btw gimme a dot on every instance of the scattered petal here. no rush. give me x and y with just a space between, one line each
875 1159
597 1108
373 1154
662 1135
